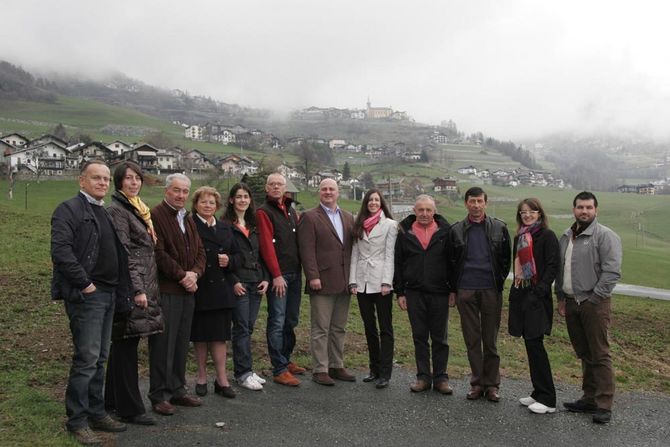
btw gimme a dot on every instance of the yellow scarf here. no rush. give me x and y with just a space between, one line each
144 211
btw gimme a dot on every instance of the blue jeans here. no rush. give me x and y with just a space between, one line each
283 315
91 327
244 319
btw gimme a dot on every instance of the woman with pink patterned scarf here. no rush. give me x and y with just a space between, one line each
536 261
371 277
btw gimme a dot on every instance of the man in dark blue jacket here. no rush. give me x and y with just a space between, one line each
421 281
481 259
89 273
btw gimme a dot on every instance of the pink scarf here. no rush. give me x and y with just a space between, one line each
370 222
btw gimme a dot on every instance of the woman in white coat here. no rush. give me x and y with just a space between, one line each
371 276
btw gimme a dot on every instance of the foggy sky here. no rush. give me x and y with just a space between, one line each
511 69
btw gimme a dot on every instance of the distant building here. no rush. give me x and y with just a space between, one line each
15 139
377 113
119 147
444 185
468 170
194 133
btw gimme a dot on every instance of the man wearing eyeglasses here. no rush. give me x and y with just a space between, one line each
90 275
481 258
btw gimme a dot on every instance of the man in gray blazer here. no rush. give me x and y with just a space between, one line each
326 265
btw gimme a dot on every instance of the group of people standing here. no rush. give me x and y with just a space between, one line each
129 271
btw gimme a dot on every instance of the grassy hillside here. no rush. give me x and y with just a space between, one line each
94 118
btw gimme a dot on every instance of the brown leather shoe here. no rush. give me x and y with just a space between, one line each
323 379
341 374
186 401
295 369
475 392
492 394
419 386
443 387
286 378
164 408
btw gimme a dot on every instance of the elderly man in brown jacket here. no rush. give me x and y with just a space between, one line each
180 257
325 241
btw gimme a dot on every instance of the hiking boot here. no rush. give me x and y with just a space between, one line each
107 424
85 436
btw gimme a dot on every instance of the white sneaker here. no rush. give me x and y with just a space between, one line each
526 401
251 384
539 408
258 378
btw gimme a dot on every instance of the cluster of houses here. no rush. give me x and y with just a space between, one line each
231 134
514 177
648 189
49 155
369 113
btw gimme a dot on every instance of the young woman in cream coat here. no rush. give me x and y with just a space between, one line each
371 276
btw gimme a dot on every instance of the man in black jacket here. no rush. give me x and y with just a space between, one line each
90 274
421 282
481 261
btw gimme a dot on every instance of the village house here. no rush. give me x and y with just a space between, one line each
336 144
644 189
119 147
467 170
49 158
235 164
392 187
94 149
194 133
169 160
196 161
145 155
444 184
15 139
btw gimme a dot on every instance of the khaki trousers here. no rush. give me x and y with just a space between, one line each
329 315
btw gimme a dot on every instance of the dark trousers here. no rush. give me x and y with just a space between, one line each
588 326
480 321
168 350
540 372
380 342
122 391
429 316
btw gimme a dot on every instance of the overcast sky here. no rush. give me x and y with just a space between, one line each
511 69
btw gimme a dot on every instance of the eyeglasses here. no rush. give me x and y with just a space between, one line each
528 213
273 184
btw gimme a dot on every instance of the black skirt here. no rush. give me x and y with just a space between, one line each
212 325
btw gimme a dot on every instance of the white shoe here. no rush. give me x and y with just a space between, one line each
258 378
251 384
526 401
539 408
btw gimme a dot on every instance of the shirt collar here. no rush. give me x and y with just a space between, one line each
328 210
203 220
91 200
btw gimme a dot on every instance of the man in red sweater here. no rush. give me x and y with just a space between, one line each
277 225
